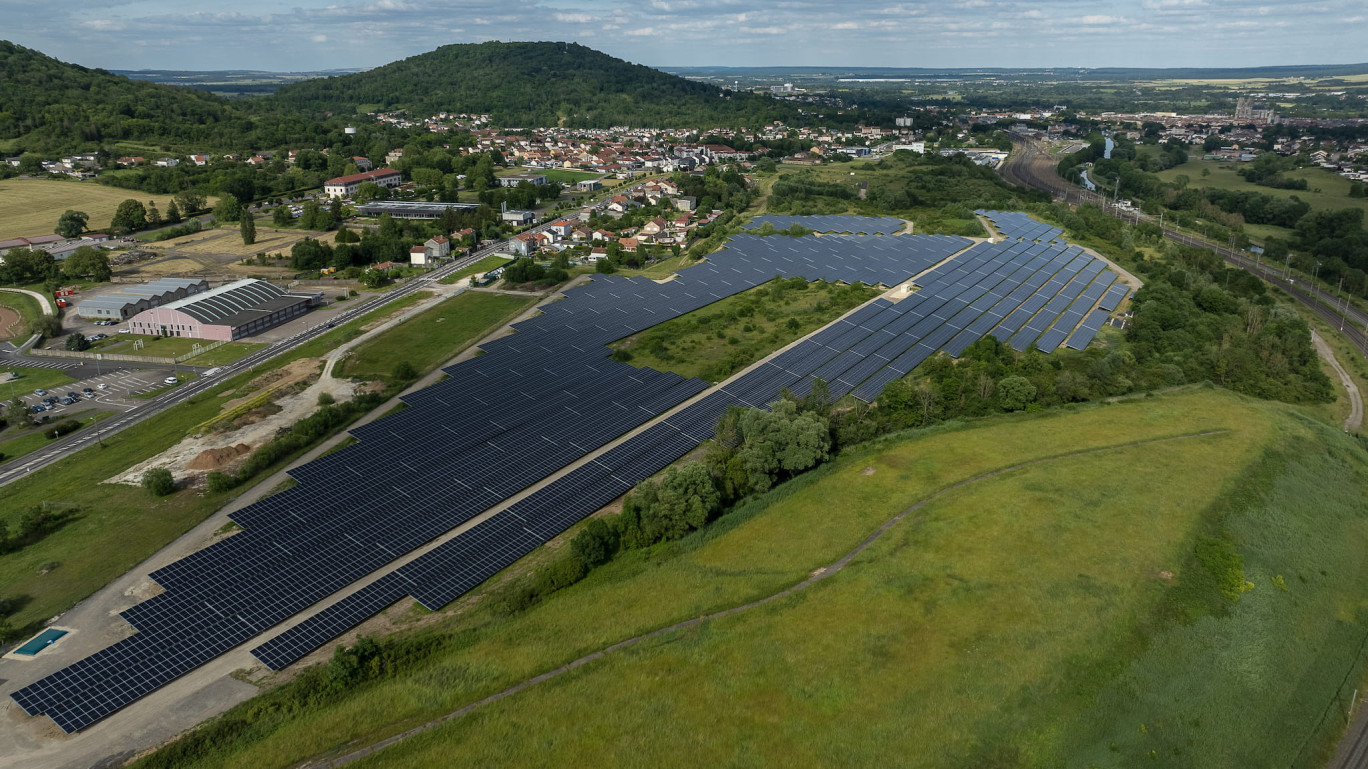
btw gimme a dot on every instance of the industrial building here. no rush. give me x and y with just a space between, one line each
400 209
133 299
231 311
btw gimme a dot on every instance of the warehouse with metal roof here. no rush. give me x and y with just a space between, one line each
130 300
231 311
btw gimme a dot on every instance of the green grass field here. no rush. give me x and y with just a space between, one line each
716 341
1052 615
434 336
1333 189
18 447
31 379
171 347
484 265
32 206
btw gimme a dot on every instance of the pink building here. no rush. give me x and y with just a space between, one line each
231 311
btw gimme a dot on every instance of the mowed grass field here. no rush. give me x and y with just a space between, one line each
228 240
32 206
1053 614
433 336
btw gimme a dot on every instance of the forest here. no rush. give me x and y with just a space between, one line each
529 84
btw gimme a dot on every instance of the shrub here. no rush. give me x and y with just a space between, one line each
218 482
326 399
404 371
159 482
69 426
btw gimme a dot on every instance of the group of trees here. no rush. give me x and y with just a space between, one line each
530 84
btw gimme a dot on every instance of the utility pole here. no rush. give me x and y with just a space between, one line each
1344 306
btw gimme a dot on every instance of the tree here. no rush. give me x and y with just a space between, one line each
228 209
373 278
48 325
781 441
89 263
173 212
282 216
29 266
154 217
77 342
72 223
248 229
1016 392
404 371
368 191
190 202
159 482
596 543
130 216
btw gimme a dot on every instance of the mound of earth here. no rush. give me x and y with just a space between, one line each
217 459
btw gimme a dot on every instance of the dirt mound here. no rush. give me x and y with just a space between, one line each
216 459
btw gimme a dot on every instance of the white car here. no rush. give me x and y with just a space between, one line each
171 380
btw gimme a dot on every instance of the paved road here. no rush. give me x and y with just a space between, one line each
43 301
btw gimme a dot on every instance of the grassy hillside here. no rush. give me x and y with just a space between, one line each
1067 592
530 84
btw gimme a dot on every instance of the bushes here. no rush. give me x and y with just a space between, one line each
158 482
65 428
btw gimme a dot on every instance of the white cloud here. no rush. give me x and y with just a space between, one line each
319 38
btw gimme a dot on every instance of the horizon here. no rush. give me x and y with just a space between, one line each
320 35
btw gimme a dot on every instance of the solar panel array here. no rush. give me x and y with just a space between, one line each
869 225
536 403
1016 225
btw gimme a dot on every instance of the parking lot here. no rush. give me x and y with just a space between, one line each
113 390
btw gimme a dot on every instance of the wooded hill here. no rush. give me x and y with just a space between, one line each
530 84
50 106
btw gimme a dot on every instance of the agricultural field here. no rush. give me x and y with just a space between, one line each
716 341
32 206
433 336
1172 579
227 241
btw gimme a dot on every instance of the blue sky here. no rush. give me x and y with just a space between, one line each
329 34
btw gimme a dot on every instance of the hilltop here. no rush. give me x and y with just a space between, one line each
49 105
529 84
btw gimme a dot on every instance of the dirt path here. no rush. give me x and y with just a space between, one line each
1355 418
816 576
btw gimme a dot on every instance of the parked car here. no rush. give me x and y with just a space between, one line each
87 390
73 395
37 408
171 380
123 331
104 386
40 392
67 401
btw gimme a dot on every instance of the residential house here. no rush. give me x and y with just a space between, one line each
418 256
362 164
200 160
438 247
166 162
522 245
517 217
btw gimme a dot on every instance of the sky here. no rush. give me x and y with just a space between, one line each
309 35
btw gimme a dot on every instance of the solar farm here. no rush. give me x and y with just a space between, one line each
542 414
867 225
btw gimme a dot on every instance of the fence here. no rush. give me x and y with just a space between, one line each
103 356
